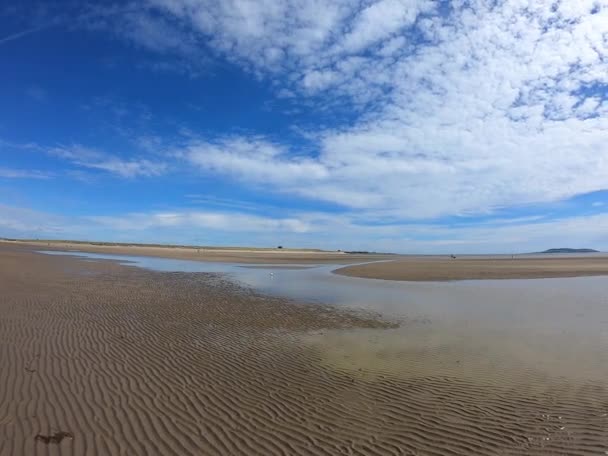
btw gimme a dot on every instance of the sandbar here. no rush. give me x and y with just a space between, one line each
479 268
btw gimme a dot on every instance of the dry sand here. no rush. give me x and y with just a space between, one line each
102 359
463 268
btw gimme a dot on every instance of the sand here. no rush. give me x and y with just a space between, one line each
230 255
464 268
102 359
373 266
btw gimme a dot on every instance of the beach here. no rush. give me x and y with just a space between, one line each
101 358
213 254
372 266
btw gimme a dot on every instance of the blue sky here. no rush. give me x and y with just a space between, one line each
395 125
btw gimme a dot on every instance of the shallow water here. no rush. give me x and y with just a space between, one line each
477 328
578 303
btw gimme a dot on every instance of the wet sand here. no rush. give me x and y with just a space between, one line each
378 266
478 268
103 359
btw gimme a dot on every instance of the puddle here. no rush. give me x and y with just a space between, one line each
472 353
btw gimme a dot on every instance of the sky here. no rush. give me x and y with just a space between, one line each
410 126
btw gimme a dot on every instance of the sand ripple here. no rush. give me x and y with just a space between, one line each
129 362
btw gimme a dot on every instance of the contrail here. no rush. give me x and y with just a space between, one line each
78 18
16 36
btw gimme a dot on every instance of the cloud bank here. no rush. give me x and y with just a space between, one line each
310 230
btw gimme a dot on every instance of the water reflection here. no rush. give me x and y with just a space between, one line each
539 338
575 304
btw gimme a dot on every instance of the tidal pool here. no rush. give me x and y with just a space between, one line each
474 328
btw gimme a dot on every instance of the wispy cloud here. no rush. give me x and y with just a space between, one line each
224 221
235 204
15 173
23 222
458 107
461 109
93 159
253 159
21 34
37 93
490 105
310 230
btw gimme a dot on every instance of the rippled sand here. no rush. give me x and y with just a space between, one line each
102 359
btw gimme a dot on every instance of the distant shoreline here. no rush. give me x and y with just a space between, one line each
417 268
214 254
165 246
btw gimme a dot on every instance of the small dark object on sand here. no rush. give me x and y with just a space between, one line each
55 438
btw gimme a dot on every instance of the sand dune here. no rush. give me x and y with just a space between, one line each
100 359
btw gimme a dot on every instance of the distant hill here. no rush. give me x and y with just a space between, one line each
566 250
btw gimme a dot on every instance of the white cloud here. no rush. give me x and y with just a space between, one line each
223 221
485 105
14 173
318 80
380 20
311 230
254 160
89 158
463 107
23 222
